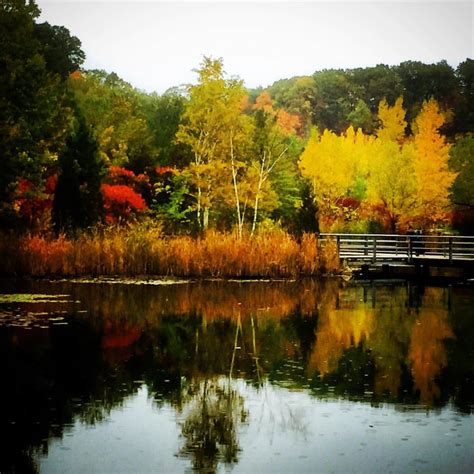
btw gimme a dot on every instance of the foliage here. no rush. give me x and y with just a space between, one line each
142 249
391 194
77 198
333 164
120 202
355 175
462 192
163 115
392 121
113 110
212 127
34 111
431 156
215 155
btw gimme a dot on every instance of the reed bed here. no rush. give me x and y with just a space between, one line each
137 252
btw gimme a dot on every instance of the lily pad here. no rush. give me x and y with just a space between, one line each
33 298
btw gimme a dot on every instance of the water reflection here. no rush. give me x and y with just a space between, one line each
189 344
212 412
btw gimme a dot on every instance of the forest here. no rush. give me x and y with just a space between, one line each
85 155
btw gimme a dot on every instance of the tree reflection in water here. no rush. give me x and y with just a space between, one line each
427 352
196 346
212 411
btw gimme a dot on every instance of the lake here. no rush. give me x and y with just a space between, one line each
212 376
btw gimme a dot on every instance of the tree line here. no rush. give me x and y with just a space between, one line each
370 149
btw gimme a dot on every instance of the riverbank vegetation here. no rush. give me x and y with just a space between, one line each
235 179
140 252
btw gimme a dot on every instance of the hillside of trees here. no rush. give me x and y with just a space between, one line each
374 149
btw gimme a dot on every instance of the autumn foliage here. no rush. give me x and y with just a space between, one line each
139 251
121 202
398 180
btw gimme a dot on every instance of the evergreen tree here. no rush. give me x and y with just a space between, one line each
78 200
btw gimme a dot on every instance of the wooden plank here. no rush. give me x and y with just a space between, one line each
384 247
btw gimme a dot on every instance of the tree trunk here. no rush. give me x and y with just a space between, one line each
257 196
240 221
205 218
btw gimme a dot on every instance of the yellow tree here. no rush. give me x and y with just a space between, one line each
431 155
333 163
213 127
409 179
392 120
391 184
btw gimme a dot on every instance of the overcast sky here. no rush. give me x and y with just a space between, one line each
155 45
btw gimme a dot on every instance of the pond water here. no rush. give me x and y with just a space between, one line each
303 376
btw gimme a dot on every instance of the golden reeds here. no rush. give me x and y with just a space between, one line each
137 251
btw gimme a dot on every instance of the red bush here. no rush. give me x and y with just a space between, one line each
116 173
34 202
121 201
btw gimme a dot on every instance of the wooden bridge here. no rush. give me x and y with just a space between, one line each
412 249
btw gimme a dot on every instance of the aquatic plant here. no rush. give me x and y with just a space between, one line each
147 251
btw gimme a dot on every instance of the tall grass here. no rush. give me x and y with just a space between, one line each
137 251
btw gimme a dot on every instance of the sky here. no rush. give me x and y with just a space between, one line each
155 45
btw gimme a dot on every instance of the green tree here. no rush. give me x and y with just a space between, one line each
462 162
462 192
113 110
376 84
163 114
464 112
422 82
61 51
34 112
77 200
336 98
275 152
361 117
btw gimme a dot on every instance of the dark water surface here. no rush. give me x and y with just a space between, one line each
238 376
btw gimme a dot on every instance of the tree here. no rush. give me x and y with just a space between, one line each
462 192
297 96
269 149
422 82
335 165
336 98
392 121
163 114
462 162
61 51
464 112
113 109
391 183
377 83
121 202
77 200
214 128
431 157
34 110
361 117
390 191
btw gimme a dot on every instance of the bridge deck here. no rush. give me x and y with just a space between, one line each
407 248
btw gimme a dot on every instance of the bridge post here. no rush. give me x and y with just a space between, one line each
450 250
374 254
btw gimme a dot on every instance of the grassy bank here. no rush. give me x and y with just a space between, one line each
147 252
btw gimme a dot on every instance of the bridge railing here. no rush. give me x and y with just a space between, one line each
377 247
